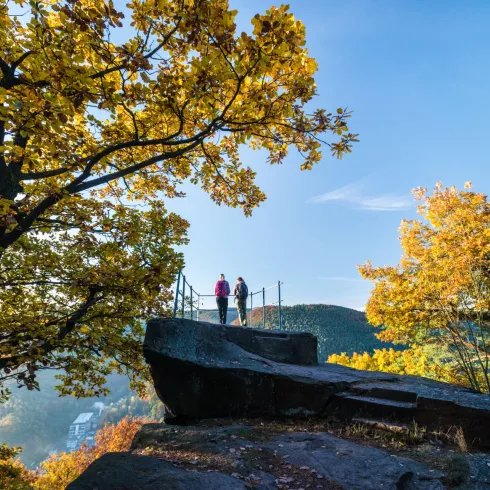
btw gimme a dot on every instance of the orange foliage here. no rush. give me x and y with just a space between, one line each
62 468
439 293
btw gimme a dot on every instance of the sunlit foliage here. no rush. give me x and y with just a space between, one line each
61 469
94 136
439 293
13 475
388 360
415 361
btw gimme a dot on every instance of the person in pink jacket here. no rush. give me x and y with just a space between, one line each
222 291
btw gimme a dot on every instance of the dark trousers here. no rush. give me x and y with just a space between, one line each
222 303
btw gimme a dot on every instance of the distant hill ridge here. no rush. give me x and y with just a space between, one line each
337 328
212 316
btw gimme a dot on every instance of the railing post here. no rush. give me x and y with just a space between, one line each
176 303
180 296
183 296
279 306
192 307
263 307
251 309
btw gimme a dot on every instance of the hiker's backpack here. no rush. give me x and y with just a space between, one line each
242 290
221 288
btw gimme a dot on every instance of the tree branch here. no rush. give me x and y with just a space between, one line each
134 168
78 185
69 326
107 71
17 63
6 70
43 175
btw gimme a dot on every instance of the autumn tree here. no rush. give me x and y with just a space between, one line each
103 114
410 361
13 474
439 294
61 469
414 361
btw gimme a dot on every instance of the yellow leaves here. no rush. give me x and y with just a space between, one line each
229 18
5 204
13 474
145 77
173 102
411 361
439 292
414 361
64 268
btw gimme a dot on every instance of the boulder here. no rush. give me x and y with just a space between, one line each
124 471
202 370
191 338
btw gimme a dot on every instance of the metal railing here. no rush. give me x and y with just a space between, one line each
188 301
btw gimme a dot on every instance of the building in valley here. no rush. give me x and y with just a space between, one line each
82 429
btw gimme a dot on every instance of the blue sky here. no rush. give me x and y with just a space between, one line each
416 75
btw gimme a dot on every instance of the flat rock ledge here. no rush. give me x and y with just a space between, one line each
252 457
202 370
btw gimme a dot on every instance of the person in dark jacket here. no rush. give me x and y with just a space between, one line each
222 291
241 295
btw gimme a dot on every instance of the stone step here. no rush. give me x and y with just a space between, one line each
385 402
376 391
355 406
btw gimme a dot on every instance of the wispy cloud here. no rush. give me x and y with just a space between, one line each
354 194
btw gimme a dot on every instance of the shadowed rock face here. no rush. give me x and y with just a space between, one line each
202 370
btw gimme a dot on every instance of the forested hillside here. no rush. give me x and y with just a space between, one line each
338 329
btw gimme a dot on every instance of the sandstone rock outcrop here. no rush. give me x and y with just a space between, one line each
202 370
205 371
272 457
